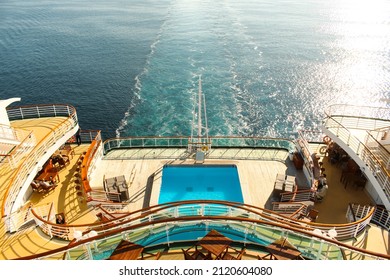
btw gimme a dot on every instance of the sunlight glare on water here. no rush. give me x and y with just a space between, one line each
269 68
131 67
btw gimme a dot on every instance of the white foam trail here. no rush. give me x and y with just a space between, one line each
138 79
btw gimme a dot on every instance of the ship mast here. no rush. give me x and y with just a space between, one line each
200 111
199 143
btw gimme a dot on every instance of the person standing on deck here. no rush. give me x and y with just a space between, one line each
78 137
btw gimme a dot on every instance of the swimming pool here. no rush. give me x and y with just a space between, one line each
180 233
189 182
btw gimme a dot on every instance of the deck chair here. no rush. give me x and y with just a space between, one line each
47 186
279 182
151 256
187 256
289 183
120 179
109 184
237 255
36 186
312 214
196 255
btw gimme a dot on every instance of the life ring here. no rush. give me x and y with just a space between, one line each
323 150
326 139
205 148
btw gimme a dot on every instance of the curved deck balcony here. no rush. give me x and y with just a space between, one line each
253 227
51 126
360 131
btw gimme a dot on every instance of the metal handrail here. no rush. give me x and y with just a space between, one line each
381 217
378 113
12 190
177 209
183 141
378 169
200 212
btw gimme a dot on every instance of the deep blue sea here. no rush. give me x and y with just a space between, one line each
268 67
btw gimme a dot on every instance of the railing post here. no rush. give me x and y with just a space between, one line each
356 230
167 233
49 229
89 252
176 212
320 249
67 254
246 233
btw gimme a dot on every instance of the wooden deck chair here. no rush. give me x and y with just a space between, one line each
151 256
312 214
157 256
36 186
237 256
279 181
196 255
187 256
289 184
120 180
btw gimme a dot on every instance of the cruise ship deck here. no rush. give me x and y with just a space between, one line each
257 179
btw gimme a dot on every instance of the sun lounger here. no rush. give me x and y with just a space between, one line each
289 183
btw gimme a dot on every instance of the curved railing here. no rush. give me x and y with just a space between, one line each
89 161
373 164
183 141
377 113
36 111
381 217
27 142
199 211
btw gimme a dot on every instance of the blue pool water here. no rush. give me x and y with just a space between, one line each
196 232
188 233
215 182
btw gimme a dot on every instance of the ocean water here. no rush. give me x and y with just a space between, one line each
268 67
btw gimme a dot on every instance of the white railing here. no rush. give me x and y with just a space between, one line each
113 208
33 157
381 217
7 132
367 156
301 195
251 220
304 150
198 209
17 151
294 209
362 111
183 141
40 111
